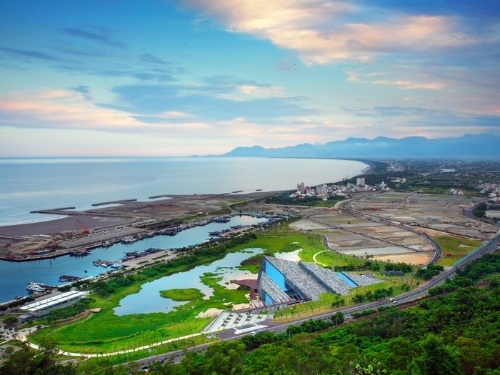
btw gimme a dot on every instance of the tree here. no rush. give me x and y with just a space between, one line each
436 359
337 318
10 321
338 301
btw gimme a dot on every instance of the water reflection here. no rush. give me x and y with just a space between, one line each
149 300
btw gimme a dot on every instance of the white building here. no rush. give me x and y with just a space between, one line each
492 214
42 307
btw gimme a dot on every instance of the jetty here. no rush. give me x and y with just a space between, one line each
65 278
51 210
114 202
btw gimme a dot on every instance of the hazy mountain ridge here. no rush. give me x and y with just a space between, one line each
470 145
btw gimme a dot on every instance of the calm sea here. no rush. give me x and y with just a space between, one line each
28 184
34 184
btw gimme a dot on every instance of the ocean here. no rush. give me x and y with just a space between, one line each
30 184
42 183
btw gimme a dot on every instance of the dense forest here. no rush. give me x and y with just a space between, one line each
455 331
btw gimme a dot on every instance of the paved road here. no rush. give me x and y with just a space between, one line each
413 295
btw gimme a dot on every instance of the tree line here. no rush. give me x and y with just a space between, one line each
455 333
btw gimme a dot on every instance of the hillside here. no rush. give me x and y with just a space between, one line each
468 146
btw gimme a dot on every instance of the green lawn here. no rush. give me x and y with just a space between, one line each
105 332
457 247
182 294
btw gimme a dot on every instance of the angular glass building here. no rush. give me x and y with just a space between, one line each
284 282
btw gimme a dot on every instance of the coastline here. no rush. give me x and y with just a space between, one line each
19 243
26 241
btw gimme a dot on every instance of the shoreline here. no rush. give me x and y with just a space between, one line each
18 243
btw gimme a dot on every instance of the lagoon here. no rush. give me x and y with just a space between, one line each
149 300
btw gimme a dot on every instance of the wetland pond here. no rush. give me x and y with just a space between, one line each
149 300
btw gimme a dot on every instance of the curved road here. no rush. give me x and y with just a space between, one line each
413 295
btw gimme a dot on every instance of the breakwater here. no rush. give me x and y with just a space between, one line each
49 210
114 202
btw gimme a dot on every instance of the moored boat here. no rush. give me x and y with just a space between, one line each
36 287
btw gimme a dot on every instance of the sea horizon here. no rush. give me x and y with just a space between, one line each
39 183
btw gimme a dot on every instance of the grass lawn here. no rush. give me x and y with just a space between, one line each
105 332
457 247
182 294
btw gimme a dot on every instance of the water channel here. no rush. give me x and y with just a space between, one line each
16 275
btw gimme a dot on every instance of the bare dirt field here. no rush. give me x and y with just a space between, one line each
21 242
394 226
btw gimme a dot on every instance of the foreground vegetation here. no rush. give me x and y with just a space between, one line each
453 333
106 332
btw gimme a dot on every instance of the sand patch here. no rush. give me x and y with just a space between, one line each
209 313
241 306
417 259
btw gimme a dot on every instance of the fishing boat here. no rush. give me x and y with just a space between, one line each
36 287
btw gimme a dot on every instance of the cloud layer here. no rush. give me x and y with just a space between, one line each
215 75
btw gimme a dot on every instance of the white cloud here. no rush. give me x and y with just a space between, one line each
320 33
409 85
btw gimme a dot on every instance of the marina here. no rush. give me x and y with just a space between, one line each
17 275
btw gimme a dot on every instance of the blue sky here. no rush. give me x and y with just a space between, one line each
174 78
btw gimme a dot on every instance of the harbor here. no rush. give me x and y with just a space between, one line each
16 275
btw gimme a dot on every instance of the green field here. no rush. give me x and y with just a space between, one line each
457 247
105 332
182 294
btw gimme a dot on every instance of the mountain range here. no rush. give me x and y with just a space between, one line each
486 146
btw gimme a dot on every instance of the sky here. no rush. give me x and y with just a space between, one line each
198 77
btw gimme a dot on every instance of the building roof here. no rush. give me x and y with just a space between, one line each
45 304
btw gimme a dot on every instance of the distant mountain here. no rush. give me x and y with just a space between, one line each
467 146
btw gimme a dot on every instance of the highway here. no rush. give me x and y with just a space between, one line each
420 291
